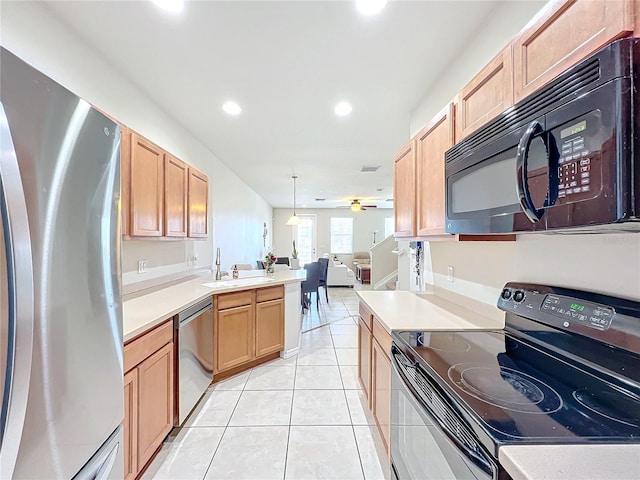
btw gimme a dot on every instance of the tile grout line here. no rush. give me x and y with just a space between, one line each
293 394
226 427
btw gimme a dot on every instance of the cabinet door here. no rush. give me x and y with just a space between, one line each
155 402
487 95
431 143
364 359
125 176
381 391
198 203
404 190
269 327
130 424
234 337
562 34
147 188
176 180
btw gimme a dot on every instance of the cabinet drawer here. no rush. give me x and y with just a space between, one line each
235 299
270 293
365 315
382 336
142 347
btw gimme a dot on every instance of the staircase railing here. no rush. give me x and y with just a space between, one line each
383 262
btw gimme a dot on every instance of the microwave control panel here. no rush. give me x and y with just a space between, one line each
578 164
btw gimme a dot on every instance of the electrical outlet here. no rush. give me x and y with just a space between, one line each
195 259
450 273
142 266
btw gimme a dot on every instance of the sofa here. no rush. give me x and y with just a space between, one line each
362 266
339 275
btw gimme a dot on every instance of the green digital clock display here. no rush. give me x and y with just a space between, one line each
576 307
573 129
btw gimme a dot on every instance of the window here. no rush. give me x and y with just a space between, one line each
388 227
341 235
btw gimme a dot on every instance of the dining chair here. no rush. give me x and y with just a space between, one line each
311 285
324 267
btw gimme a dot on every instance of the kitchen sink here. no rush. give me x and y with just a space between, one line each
238 282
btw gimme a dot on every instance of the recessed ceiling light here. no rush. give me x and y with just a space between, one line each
343 108
232 108
173 6
370 7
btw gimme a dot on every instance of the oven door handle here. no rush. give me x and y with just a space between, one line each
522 159
478 457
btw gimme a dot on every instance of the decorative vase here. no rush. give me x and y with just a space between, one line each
295 263
270 269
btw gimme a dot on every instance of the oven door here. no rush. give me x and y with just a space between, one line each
423 445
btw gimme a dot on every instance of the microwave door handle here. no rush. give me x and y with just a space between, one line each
522 184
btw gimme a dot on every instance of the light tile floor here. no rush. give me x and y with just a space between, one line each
299 418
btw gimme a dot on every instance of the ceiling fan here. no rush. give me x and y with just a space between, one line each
356 206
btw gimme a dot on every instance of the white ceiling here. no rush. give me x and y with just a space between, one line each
287 63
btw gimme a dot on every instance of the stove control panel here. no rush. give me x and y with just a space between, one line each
571 311
587 313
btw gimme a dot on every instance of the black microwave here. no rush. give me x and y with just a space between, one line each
565 158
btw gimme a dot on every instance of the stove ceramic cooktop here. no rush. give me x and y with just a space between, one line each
515 392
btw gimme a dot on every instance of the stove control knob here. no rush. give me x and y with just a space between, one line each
518 296
506 294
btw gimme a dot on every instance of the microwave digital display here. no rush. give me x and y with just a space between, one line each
573 129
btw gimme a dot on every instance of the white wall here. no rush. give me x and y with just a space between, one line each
237 212
502 26
364 223
603 263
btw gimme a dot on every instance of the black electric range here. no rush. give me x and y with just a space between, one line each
566 369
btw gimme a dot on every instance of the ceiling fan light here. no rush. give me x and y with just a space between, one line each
355 206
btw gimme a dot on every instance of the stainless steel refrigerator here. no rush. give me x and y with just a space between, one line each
61 314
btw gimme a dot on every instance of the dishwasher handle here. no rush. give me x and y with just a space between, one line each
194 311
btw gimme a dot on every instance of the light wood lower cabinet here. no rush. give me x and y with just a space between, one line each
269 327
155 401
374 370
148 396
381 391
248 325
233 333
130 424
364 359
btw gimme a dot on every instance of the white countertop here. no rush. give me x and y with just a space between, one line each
145 312
571 462
401 310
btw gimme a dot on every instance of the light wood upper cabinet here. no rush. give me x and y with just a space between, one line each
562 34
487 95
147 188
125 175
198 203
155 401
176 181
431 144
404 191
269 327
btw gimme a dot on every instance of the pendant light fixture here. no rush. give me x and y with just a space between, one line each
294 219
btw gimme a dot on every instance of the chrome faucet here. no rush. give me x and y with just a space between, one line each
218 273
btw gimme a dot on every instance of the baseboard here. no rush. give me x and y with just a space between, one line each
292 352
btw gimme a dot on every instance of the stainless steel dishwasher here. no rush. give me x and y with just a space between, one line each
194 327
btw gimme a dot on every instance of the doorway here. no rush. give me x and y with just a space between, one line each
305 236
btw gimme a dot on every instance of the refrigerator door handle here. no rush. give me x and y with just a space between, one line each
20 302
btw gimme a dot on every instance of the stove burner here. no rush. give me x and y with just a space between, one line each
446 342
505 388
613 405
